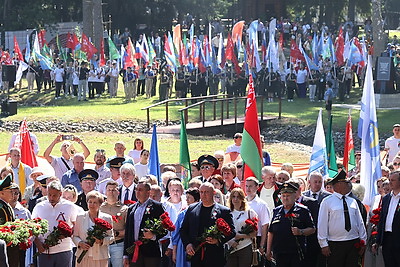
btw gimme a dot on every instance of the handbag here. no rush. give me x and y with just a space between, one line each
256 255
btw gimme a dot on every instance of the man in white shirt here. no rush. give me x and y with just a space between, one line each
341 230
302 82
115 165
59 79
54 209
21 171
392 144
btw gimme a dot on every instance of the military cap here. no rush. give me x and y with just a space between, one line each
208 159
116 162
339 177
6 183
42 179
288 187
88 174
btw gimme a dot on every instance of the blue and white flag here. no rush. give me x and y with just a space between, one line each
154 161
319 158
27 49
354 55
368 132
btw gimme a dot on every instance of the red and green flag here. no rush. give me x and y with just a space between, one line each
250 149
184 157
349 159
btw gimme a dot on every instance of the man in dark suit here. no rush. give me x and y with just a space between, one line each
388 230
127 189
316 191
148 253
198 218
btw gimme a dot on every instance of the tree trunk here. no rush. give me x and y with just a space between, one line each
351 10
87 17
97 23
379 35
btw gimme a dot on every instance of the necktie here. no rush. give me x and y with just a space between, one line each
126 194
314 195
347 224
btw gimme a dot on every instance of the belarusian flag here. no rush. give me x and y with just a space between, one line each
184 157
349 159
250 149
330 149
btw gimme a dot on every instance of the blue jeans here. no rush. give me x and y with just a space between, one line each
116 254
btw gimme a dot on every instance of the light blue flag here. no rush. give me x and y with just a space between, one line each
319 158
332 49
310 64
154 161
368 132
45 63
27 49
355 55
315 49
253 36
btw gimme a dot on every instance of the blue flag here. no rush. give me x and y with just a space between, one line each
319 158
368 132
154 161
28 49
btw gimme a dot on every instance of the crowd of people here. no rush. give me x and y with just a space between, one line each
87 80
283 221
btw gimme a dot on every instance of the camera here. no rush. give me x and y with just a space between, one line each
68 137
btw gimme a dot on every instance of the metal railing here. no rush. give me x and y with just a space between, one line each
166 103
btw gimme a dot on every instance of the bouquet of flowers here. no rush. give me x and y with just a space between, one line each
293 218
251 225
218 231
19 232
374 222
63 230
97 231
158 227
129 202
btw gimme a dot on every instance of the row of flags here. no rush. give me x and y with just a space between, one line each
323 157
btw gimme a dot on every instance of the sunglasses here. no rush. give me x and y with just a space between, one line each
100 150
207 167
237 137
239 166
396 163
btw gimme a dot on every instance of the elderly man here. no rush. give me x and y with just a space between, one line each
268 191
100 160
115 165
127 190
198 218
149 254
115 208
316 191
261 208
21 171
64 163
72 176
340 225
208 164
88 179
54 209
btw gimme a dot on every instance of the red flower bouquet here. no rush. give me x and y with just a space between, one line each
63 230
97 231
374 220
129 202
251 225
158 227
360 244
218 231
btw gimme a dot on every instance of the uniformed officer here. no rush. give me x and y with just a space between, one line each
88 179
7 215
291 223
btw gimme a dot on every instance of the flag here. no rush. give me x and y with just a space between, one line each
230 54
315 48
184 157
237 32
102 61
295 53
154 161
130 60
35 48
330 149
349 160
368 132
27 49
72 41
318 160
151 52
42 38
45 62
24 143
169 52
17 50
21 68
250 149
339 45
88 47
61 49
177 36
354 55
113 51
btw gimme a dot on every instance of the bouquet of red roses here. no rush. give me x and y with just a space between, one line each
97 231
374 221
218 231
63 230
251 225
158 227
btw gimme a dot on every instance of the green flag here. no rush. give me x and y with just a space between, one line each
79 54
184 157
330 150
62 51
112 49
152 53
